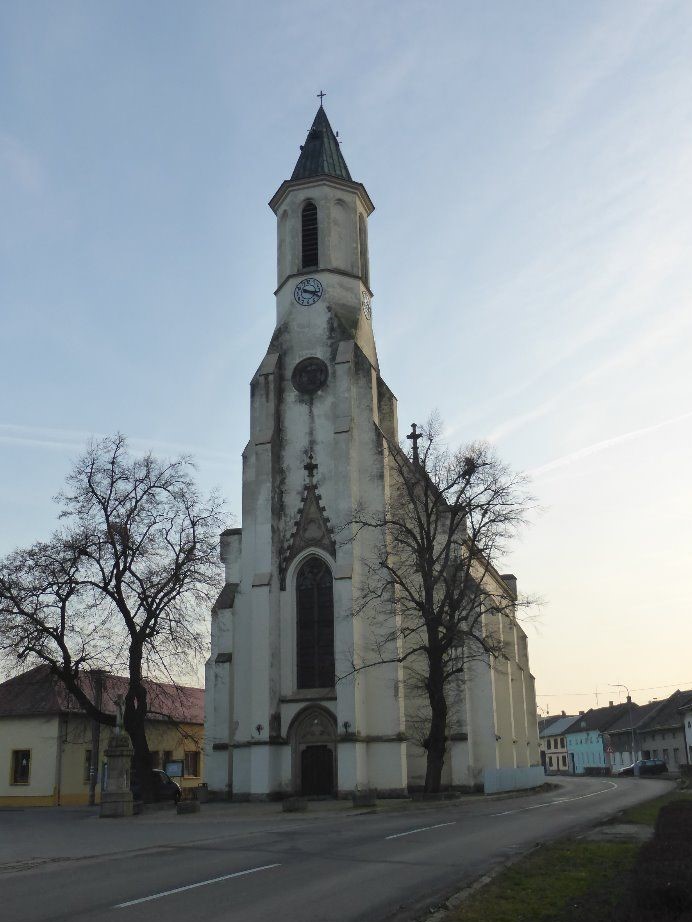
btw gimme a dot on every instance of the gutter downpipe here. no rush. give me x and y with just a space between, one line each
58 760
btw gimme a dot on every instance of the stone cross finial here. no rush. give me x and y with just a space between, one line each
321 95
310 467
414 435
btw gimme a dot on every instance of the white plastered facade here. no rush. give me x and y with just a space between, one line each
255 712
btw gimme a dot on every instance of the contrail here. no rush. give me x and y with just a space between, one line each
566 460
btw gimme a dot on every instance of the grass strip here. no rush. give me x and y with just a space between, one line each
647 813
569 880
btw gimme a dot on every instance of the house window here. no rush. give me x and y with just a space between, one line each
564 761
192 764
309 236
86 772
562 742
155 758
665 755
167 757
654 753
21 766
550 745
676 756
315 611
550 761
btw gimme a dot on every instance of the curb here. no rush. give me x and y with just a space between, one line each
441 913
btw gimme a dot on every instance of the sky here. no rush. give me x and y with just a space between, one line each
531 260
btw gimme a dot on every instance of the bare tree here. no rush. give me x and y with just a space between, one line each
122 586
432 581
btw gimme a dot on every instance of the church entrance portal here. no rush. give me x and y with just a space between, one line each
317 770
313 741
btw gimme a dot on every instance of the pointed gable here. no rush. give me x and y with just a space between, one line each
321 154
312 529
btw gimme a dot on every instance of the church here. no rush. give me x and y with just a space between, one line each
285 713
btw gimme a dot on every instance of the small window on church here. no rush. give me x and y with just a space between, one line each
315 615
363 247
309 237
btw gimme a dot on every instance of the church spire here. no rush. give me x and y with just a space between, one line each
321 154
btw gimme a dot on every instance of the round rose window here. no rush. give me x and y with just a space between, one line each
309 375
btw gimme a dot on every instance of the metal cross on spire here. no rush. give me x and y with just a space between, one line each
310 467
321 95
414 435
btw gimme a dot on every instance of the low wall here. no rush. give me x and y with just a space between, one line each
496 780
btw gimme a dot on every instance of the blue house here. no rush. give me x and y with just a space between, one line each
587 742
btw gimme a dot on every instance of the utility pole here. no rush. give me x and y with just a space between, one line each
629 708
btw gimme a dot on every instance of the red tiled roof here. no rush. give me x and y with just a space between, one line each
39 692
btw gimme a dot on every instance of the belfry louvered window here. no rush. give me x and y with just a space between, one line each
309 236
315 615
363 247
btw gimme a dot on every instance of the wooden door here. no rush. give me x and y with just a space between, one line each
317 771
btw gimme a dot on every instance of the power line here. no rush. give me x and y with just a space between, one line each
589 694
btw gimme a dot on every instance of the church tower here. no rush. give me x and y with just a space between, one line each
285 713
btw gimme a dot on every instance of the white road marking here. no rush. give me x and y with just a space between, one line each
202 883
564 800
420 829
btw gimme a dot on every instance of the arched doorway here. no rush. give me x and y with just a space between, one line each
313 744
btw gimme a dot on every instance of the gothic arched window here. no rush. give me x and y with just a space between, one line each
309 235
363 247
315 615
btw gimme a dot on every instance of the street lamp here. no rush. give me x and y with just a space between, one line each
629 708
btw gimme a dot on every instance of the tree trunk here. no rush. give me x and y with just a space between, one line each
438 730
135 724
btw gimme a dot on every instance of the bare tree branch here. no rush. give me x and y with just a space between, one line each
124 584
431 590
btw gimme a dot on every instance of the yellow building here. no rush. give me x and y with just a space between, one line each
47 741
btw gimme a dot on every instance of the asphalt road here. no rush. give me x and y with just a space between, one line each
327 867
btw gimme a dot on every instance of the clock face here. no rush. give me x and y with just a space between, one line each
367 304
308 291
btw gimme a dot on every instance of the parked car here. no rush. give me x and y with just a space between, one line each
164 788
645 767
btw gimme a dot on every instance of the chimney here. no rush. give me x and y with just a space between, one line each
610 704
564 714
581 713
629 699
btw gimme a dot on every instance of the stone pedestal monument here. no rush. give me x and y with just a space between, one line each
116 796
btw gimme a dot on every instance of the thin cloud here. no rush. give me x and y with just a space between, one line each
598 447
74 440
663 332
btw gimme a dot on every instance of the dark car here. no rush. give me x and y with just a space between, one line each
645 767
163 787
